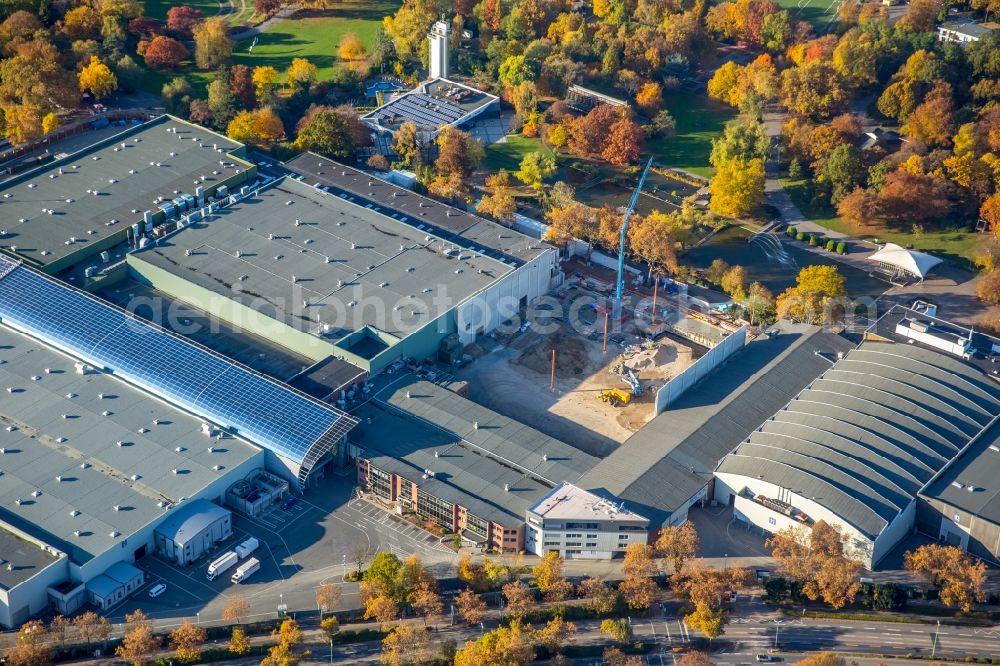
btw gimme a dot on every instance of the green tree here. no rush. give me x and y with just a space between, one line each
220 100
328 133
535 167
514 71
743 139
844 171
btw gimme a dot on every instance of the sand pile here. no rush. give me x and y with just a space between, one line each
571 356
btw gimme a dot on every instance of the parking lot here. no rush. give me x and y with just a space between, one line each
301 546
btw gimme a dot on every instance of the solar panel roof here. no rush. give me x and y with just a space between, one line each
274 416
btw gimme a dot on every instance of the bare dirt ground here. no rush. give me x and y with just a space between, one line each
512 376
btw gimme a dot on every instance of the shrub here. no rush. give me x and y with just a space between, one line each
813 239
800 236
830 244
790 231
841 247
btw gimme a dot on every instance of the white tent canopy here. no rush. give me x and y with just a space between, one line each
899 259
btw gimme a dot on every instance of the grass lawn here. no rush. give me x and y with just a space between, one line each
508 155
819 13
699 120
234 11
960 245
315 35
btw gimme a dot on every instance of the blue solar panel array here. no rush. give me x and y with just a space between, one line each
271 415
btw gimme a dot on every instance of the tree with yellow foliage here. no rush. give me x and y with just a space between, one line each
499 201
351 47
212 46
678 544
301 74
811 300
97 79
959 576
186 641
649 98
737 187
505 645
265 83
239 644
50 123
259 127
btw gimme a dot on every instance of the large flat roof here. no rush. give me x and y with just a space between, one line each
867 434
314 258
972 482
291 424
494 465
570 502
129 171
58 442
673 456
452 224
26 559
431 105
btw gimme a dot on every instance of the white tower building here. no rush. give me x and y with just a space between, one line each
438 37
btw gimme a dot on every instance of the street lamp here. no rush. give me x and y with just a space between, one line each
199 616
344 575
934 645
331 650
777 625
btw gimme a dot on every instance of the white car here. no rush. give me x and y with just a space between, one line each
157 590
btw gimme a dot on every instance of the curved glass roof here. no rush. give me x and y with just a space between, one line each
263 411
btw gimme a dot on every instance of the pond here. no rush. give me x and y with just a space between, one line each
774 262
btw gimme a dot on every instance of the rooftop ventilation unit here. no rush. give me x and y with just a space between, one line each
74 513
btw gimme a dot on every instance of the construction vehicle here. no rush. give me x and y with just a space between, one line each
628 376
616 397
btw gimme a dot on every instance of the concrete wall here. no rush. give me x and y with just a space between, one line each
602 542
975 534
680 383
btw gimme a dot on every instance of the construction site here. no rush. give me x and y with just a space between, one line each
569 380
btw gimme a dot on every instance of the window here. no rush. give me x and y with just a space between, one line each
551 543
771 520
581 526
430 507
380 483
476 524
573 536
576 543
591 536
592 545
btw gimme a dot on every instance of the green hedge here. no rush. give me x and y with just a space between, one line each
841 247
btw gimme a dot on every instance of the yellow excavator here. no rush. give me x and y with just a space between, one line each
616 397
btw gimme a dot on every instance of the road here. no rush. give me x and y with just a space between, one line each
747 637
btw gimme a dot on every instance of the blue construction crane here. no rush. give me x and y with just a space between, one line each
616 312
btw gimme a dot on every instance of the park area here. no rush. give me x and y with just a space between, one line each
699 120
960 245
314 35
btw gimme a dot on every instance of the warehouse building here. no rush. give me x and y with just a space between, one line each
856 446
332 275
91 466
961 505
425 449
667 466
71 209
114 585
192 531
299 434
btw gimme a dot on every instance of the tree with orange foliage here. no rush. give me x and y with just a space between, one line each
649 98
624 143
818 558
